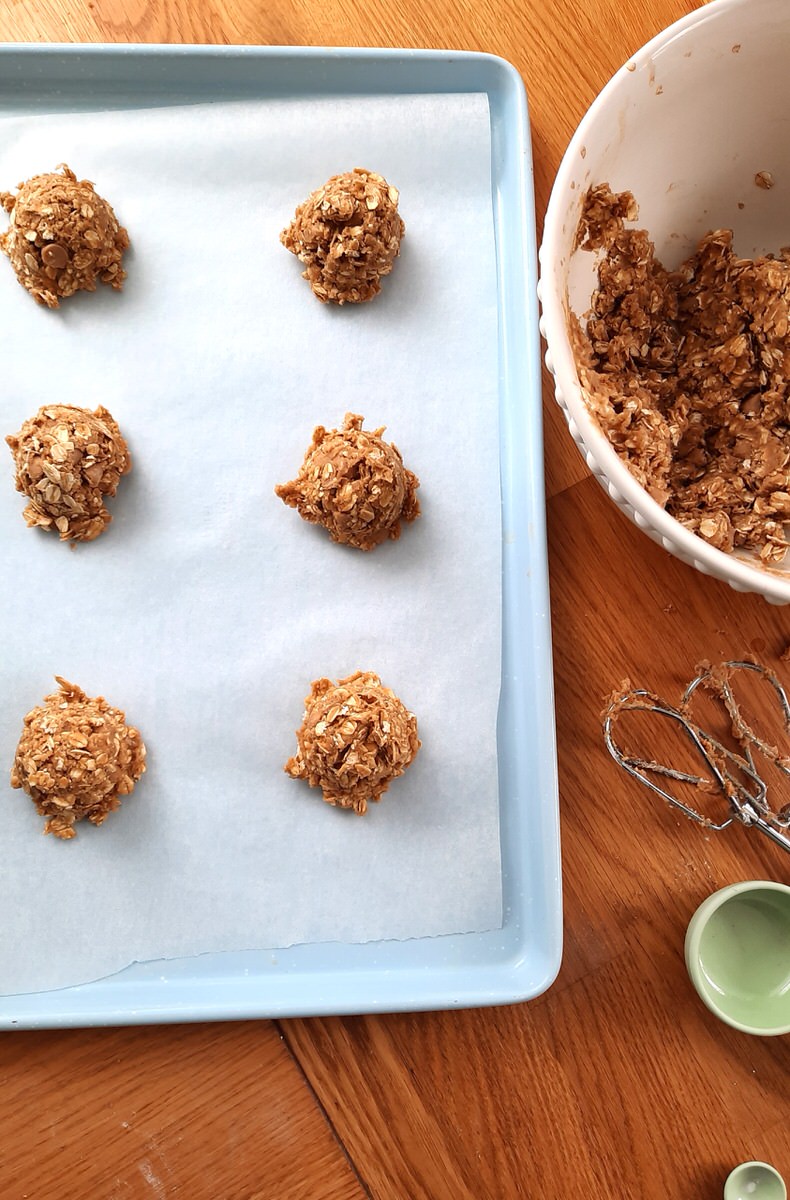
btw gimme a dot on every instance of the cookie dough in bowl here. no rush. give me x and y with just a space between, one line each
356 737
695 128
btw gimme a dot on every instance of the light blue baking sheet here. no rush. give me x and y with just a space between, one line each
520 960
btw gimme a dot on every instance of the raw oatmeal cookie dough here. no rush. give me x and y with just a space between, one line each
354 484
67 460
348 235
355 738
688 374
76 758
63 237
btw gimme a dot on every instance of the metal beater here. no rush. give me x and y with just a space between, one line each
735 773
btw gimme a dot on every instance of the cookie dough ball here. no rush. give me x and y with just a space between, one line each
355 738
348 235
67 460
76 758
354 484
63 237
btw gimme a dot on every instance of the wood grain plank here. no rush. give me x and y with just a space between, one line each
199 1112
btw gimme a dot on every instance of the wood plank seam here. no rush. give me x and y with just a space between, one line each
278 1025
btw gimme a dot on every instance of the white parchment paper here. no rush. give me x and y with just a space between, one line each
208 606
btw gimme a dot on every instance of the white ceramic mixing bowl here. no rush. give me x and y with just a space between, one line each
685 125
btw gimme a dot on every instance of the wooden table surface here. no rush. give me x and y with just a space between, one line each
617 1082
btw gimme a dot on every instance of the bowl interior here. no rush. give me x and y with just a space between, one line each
744 959
686 126
687 130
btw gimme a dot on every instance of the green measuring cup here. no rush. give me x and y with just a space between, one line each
738 955
754 1181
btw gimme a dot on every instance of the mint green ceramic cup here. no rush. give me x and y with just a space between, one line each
754 1181
738 956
